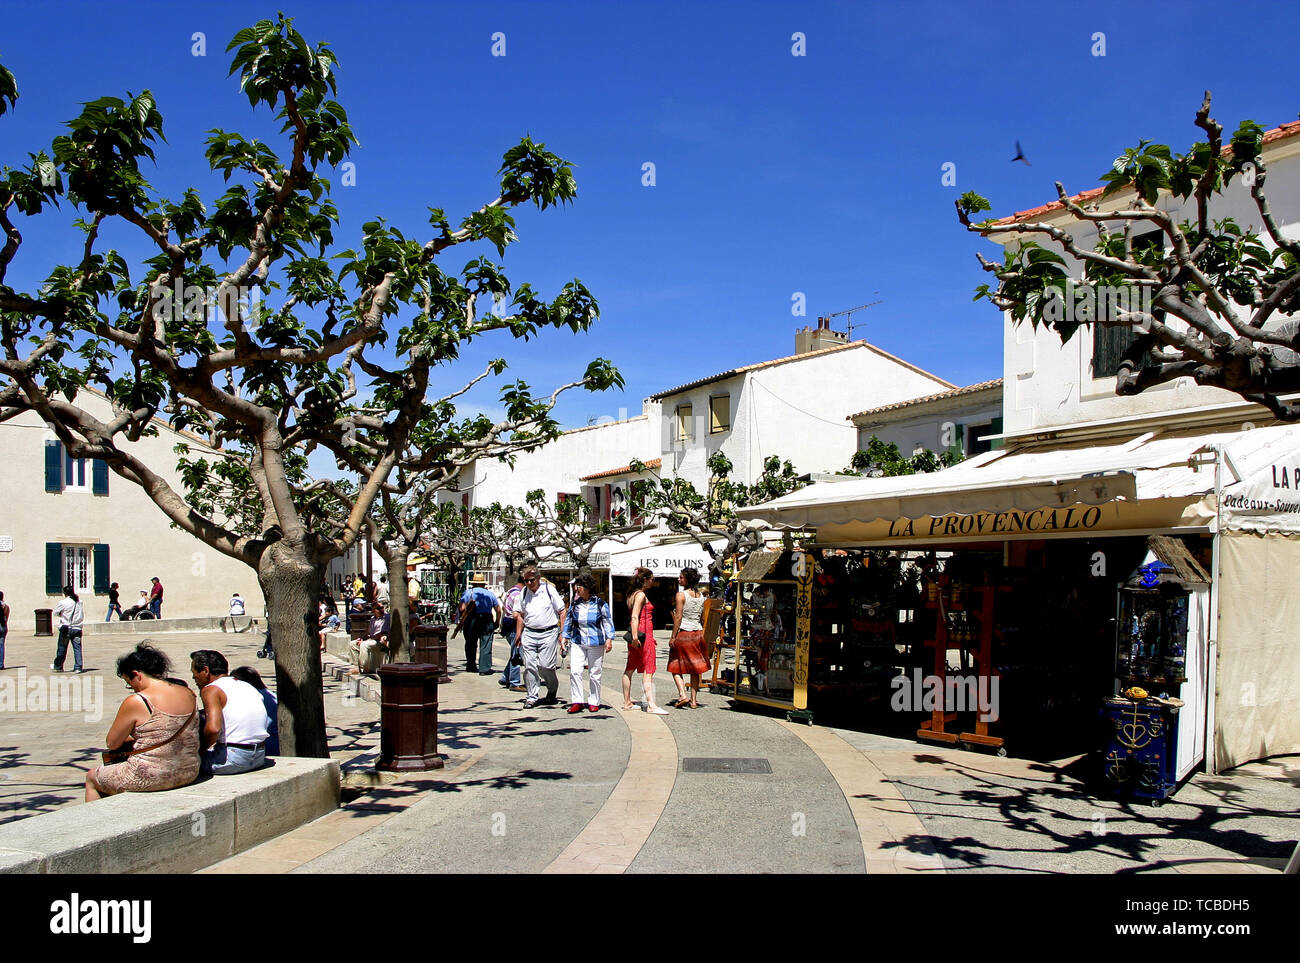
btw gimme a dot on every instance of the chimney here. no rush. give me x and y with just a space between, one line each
819 338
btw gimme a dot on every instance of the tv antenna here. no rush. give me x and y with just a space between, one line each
849 312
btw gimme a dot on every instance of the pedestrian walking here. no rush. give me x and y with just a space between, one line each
512 676
71 618
537 632
156 598
4 627
114 603
641 650
480 611
589 633
686 655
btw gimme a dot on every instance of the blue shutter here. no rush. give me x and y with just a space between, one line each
53 466
98 476
53 567
100 555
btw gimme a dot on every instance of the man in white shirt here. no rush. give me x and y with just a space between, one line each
234 725
537 632
71 618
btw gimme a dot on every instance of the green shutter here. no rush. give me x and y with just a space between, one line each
53 568
98 477
996 429
100 557
53 466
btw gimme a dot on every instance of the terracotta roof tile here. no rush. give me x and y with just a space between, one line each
626 469
955 393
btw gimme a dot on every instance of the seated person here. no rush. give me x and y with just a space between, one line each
367 653
326 622
158 722
234 731
236 605
141 605
246 673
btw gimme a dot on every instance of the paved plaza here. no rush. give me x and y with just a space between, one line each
541 790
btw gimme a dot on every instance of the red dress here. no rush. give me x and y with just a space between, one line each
642 658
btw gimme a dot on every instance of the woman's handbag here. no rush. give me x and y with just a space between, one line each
127 749
632 642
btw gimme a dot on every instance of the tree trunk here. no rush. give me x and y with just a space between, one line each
399 643
291 585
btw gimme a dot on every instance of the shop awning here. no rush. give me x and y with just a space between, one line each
665 560
1028 490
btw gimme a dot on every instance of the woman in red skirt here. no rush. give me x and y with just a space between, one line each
686 654
641 655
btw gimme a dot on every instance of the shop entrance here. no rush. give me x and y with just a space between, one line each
1033 678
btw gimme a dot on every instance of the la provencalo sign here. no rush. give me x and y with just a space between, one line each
998 523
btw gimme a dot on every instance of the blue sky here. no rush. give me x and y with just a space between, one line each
775 173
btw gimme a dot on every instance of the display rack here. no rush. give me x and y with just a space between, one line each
969 629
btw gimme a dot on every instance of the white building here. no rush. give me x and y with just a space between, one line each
561 466
73 521
794 407
965 420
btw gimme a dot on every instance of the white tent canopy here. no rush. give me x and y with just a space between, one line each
665 560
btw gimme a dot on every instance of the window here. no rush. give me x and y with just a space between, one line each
66 474
976 441
1109 344
76 567
74 474
685 424
719 414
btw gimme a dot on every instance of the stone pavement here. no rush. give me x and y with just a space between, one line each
543 791
51 735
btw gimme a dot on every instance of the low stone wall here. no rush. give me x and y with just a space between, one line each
178 831
216 623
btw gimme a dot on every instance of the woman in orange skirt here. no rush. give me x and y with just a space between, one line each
686 654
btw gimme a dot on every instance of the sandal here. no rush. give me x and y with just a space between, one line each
677 703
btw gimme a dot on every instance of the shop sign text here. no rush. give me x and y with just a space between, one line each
998 523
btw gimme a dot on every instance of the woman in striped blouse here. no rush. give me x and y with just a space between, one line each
589 629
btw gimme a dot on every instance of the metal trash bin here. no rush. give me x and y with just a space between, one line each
45 621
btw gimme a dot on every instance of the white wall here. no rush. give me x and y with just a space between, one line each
1048 384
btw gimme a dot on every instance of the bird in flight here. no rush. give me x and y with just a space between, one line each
1020 156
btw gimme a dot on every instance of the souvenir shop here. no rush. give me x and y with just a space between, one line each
1034 601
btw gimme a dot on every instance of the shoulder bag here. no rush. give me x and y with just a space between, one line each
126 750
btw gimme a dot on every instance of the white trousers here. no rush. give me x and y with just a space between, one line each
541 648
591 658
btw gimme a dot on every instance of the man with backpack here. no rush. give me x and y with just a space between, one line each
479 613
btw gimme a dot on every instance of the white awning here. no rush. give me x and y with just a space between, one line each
665 560
1261 472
